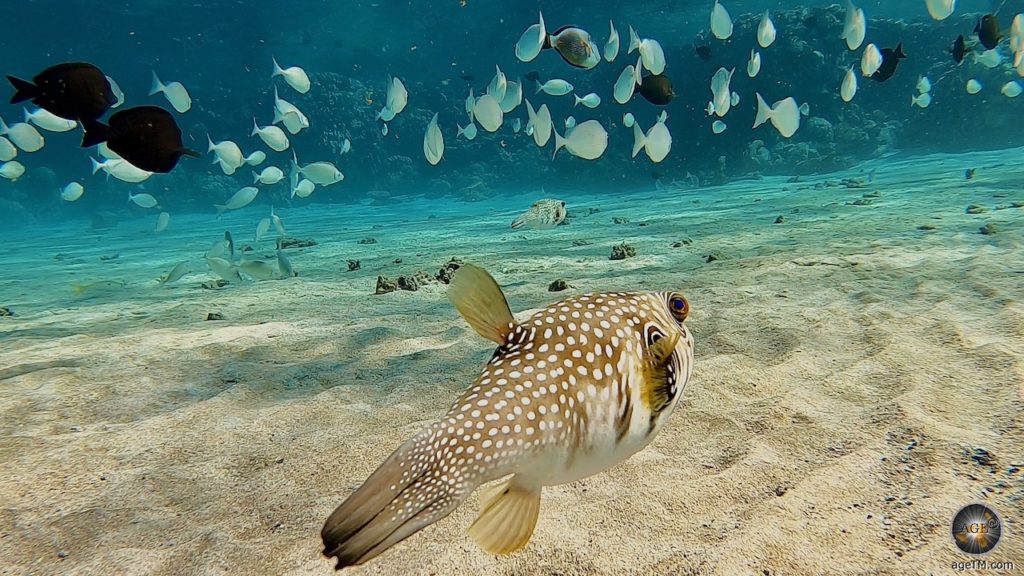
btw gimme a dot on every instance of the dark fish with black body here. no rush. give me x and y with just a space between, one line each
467 77
72 90
987 30
959 49
890 58
533 76
703 51
656 89
146 136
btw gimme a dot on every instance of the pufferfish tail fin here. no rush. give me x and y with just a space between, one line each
407 493
507 518
521 221
477 296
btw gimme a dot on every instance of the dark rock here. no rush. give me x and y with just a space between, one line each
642 224
983 457
711 258
622 251
975 209
214 284
988 229
5 311
444 275
558 285
926 227
620 220
214 316
410 283
780 219
353 265
288 242
368 240
385 285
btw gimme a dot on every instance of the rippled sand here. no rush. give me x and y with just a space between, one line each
848 367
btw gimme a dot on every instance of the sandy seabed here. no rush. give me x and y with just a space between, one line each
858 379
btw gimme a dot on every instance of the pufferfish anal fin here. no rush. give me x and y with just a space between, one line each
481 302
659 383
507 518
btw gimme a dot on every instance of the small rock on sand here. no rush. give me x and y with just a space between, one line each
558 285
622 251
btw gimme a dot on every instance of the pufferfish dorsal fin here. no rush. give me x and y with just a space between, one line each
658 382
481 302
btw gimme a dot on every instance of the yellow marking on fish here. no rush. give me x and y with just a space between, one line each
543 214
569 392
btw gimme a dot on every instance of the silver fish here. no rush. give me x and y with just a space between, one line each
574 46
258 269
177 272
224 268
284 265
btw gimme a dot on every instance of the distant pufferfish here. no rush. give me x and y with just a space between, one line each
544 214
573 390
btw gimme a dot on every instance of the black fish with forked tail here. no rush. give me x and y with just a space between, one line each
146 136
72 90
890 59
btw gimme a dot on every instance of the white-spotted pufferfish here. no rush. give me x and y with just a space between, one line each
542 215
573 390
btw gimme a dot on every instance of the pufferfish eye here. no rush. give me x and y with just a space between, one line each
678 305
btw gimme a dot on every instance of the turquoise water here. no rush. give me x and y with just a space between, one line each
856 291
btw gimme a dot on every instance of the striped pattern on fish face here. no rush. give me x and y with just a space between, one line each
575 46
566 396
572 390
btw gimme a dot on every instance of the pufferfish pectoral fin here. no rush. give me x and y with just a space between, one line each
507 518
477 296
658 381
